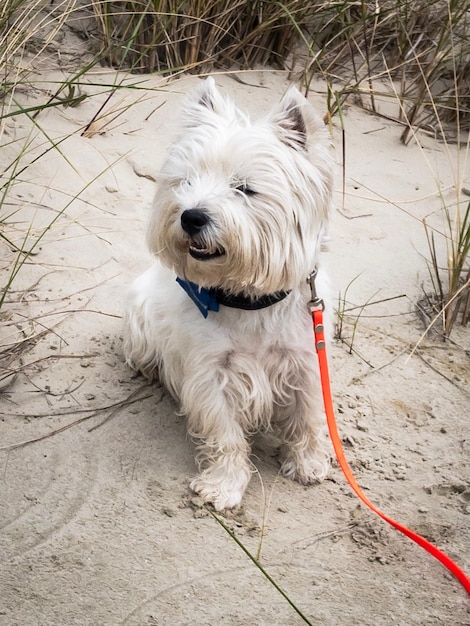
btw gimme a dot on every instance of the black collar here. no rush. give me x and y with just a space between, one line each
239 301
209 299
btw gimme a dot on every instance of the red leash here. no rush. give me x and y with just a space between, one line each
316 307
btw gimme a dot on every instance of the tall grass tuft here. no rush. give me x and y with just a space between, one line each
423 45
451 280
198 35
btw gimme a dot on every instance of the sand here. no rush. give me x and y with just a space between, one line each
98 524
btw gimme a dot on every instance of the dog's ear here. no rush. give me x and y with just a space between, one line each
203 102
207 95
295 120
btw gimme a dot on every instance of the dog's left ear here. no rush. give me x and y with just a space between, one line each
204 104
295 120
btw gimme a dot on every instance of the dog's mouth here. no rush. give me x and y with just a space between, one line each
199 252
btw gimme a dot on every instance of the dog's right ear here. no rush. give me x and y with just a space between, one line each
295 121
203 103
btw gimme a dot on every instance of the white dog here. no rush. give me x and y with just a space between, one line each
221 317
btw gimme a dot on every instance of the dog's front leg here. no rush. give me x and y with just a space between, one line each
213 412
301 419
304 436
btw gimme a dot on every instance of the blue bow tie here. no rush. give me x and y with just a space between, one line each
204 299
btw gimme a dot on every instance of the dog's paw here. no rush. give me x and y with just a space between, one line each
306 470
220 496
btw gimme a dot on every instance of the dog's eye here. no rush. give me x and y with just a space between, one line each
245 189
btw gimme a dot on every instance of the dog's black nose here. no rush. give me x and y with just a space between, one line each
193 221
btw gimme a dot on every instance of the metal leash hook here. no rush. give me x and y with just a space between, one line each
316 306
315 302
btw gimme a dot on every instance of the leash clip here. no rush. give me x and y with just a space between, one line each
315 303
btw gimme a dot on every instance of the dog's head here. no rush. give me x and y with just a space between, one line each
243 204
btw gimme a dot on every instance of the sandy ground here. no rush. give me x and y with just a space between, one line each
98 524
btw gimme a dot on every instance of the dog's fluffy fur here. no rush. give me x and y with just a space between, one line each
260 194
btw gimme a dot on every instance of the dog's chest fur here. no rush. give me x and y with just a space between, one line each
260 356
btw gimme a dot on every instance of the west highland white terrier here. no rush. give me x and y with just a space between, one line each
221 317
